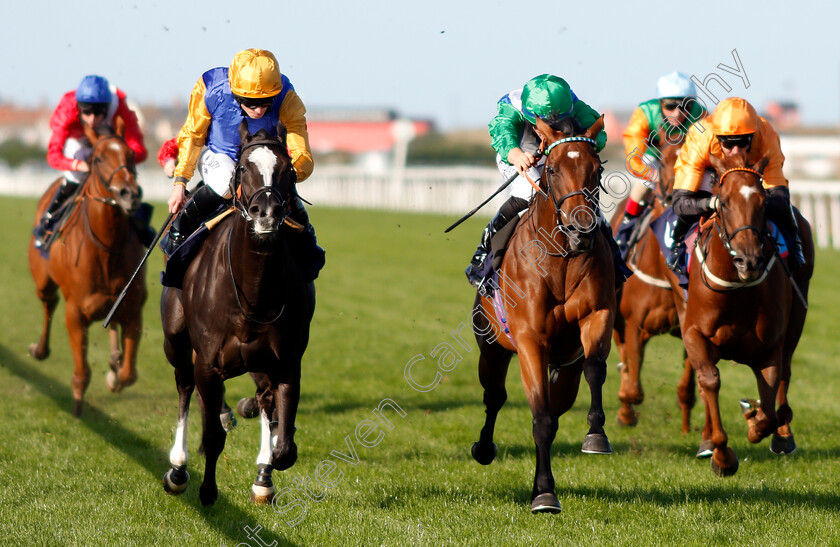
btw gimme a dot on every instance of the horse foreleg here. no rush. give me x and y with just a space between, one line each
286 398
175 480
763 421
262 491
595 339
492 370
782 442
126 374
210 390
533 364
630 392
686 396
704 360
77 328
48 294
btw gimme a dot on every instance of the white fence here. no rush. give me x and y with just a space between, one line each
448 190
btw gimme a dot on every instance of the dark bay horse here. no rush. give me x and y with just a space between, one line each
244 307
742 306
557 290
91 261
647 307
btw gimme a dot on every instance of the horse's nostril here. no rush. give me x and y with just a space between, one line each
125 194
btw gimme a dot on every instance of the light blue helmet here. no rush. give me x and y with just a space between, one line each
93 89
675 85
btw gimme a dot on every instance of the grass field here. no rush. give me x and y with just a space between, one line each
393 289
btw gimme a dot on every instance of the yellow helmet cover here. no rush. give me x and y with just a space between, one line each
254 74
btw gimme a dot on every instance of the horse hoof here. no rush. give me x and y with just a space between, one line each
627 417
596 443
781 445
705 451
248 408
484 454
228 421
546 503
261 495
208 494
40 356
175 480
725 471
113 381
619 366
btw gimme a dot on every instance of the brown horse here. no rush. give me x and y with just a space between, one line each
742 306
244 307
647 307
557 290
91 261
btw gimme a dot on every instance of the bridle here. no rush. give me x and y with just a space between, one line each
548 172
243 206
726 237
106 183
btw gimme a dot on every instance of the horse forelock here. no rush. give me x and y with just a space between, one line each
265 161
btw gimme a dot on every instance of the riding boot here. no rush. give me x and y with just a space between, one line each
202 203
622 272
63 193
312 255
625 231
680 230
475 271
780 211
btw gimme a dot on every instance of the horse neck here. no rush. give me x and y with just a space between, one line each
260 272
109 224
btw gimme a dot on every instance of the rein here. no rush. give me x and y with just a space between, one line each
237 289
702 254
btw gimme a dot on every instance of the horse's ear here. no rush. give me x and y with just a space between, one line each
717 163
762 163
244 134
119 126
281 131
597 127
545 132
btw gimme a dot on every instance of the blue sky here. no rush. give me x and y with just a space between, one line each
445 60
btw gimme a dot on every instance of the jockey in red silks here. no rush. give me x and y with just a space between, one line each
93 103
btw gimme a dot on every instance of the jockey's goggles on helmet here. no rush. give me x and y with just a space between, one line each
731 141
255 102
97 109
670 104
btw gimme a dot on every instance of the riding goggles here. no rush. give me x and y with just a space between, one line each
731 141
255 102
97 109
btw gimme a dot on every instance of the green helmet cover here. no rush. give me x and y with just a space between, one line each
546 95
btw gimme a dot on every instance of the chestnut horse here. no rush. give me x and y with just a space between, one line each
91 261
647 307
741 306
559 306
244 307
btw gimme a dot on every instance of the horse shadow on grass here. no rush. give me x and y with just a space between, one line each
141 451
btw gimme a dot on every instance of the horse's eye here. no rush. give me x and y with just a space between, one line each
549 170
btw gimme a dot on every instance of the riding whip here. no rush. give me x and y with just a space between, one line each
121 297
504 185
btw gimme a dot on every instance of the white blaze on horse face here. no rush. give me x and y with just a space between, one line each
179 455
747 191
574 154
266 161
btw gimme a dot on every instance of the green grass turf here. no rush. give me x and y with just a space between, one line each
393 289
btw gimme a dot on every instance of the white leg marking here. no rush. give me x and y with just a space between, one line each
264 457
179 454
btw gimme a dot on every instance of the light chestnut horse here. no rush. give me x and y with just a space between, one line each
742 306
647 307
91 260
559 303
